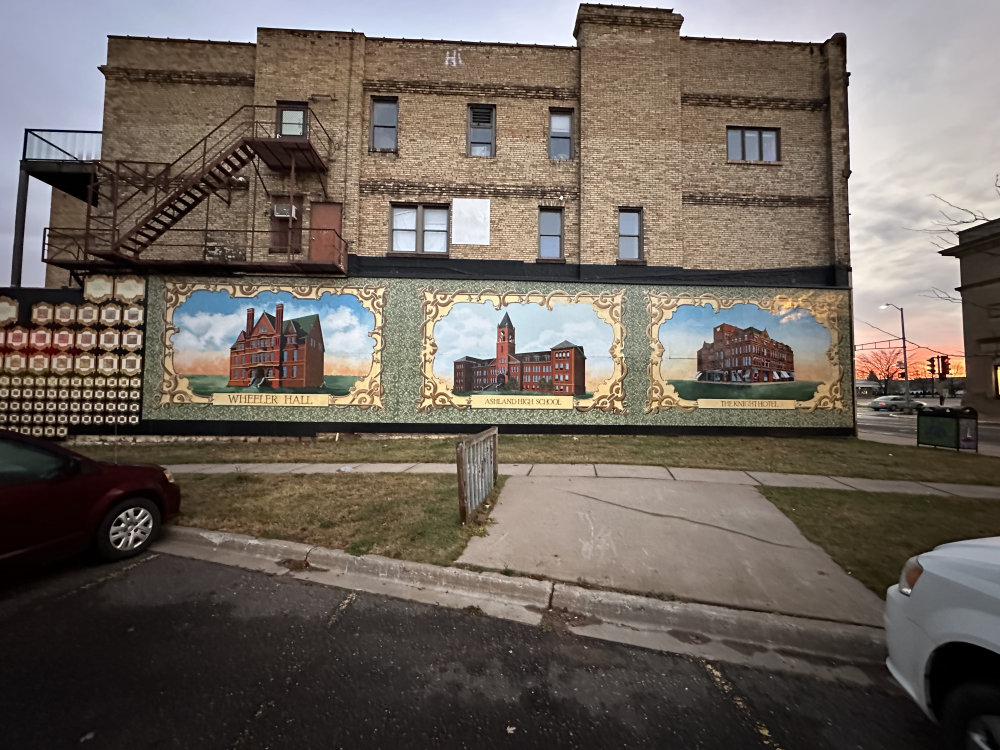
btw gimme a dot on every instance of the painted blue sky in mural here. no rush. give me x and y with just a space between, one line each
691 326
470 329
210 321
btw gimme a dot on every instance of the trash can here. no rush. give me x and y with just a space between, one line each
948 427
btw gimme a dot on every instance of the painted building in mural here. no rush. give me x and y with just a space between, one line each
744 355
278 353
561 369
626 194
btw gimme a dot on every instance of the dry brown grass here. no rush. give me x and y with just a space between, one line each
838 456
412 517
871 535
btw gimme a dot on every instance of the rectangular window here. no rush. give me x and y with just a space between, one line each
292 119
630 234
385 115
482 130
753 144
550 233
560 134
419 229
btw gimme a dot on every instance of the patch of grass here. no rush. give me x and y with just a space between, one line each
412 517
837 456
796 390
206 385
871 535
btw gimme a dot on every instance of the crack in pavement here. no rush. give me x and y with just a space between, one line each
686 520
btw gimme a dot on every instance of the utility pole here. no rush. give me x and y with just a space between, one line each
906 366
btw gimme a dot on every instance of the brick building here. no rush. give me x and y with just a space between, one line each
331 152
978 253
561 370
277 353
744 355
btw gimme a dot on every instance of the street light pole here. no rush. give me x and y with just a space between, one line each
906 364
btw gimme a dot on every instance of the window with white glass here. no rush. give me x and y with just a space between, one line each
418 228
550 233
629 234
560 134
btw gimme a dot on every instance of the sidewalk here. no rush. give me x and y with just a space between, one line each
613 471
753 589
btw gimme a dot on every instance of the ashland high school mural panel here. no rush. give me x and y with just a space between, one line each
523 351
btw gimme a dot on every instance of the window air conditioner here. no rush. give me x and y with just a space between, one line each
285 211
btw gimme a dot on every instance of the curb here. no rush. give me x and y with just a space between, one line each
716 633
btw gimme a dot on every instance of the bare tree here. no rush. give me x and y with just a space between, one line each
882 363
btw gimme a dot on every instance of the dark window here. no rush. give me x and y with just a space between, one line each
292 119
550 233
560 134
753 144
630 234
482 130
286 225
385 115
418 228
25 463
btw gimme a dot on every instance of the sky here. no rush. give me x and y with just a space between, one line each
210 322
924 102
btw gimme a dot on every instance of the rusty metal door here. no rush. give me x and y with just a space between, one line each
325 242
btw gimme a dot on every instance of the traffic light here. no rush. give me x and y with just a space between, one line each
945 365
932 365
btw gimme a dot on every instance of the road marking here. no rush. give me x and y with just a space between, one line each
110 576
729 691
341 607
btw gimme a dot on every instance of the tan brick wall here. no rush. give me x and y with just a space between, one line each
650 114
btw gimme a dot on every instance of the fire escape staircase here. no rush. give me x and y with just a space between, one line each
150 202
211 179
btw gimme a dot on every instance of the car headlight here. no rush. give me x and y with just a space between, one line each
912 571
168 476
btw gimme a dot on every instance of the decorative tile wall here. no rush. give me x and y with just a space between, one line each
72 365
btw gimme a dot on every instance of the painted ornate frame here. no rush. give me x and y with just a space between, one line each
367 393
435 394
823 305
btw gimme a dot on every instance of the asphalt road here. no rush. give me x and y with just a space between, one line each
167 652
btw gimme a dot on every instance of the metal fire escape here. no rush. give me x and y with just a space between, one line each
134 207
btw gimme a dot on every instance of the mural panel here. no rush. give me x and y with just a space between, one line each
775 352
253 345
509 350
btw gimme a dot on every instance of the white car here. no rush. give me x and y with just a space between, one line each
895 403
942 629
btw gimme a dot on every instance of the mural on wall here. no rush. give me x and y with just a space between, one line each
252 345
744 353
493 350
72 359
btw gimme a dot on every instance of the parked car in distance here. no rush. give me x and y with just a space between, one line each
894 403
942 630
55 502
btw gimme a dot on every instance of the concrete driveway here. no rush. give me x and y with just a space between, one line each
717 543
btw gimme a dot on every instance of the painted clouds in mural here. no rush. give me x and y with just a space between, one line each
220 345
471 333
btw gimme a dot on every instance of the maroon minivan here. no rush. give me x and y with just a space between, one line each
55 503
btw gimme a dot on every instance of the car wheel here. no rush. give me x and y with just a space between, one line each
128 528
971 717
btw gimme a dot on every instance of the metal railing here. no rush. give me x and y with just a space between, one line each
220 246
61 145
477 470
249 121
